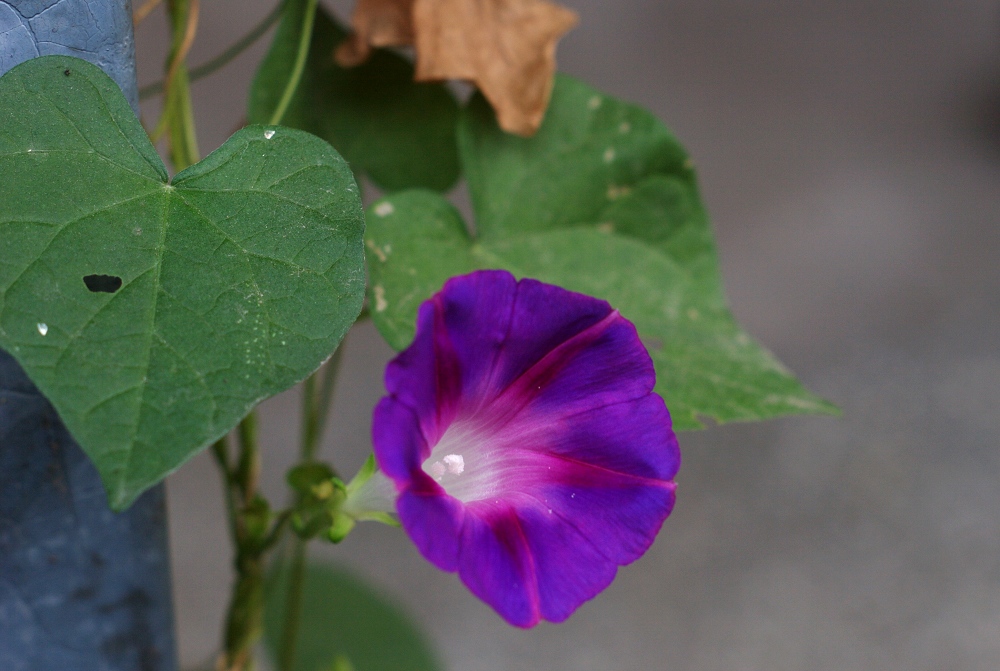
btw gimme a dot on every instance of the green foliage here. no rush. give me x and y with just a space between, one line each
155 314
345 620
401 133
604 201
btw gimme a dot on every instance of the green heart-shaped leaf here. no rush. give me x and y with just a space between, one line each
400 132
603 200
155 315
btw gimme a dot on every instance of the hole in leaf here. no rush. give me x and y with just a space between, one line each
66 72
107 284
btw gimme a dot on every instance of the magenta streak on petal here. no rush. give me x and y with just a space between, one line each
470 432
624 436
523 390
574 568
448 375
497 564
625 440
530 572
636 479
504 463
542 316
477 312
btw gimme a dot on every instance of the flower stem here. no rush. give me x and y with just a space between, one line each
305 39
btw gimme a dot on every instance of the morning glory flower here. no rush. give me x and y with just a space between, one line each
527 449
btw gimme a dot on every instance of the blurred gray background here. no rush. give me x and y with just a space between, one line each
849 153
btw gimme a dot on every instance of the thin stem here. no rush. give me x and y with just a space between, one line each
184 141
226 57
326 389
305 39
221 452
309 415
244 620
317 397
293 607
193 8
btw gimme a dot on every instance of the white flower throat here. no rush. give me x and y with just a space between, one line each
469 462
456 462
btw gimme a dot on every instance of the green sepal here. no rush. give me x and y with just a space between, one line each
388 519
364 474
342 525
320 499
304 477
357 501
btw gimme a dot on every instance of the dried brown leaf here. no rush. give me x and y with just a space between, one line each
506 47
376 23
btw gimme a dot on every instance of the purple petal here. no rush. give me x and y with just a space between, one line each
601 365
434 522
476 310
571 567
626 437
536 319
621 512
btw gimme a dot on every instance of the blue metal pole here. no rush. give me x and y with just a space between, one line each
99 31
81 588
